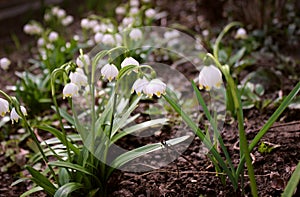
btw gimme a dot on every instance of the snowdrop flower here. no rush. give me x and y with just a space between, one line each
109 71
40 42
139 85
134 3
205 33
76 37
70 89
241 34
136 34
61 13
4 63
4 107
127 21
118 38
134 10
97 28
209 77
32 29
14 116
82 61
108 39
98 37
53 36
150 13
92 24
171 34
78 77
120 10
84 23
55 10
156 87
47 17
67 21
129 61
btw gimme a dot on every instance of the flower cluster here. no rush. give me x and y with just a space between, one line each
14 116
149 88
77 78
60 15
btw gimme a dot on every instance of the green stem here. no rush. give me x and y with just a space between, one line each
53 78
238 108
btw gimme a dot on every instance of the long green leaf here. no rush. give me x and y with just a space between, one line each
31 191
67 189
213 123
60 136
201 135
138 127
135 153
293 183
269 123
41 180
74 167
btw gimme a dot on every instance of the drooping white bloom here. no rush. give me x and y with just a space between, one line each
67 20
139 85
70 89
84 23
78 77
134 3
108 39
118 38
32 29
120 10
156 87
136 34
40 42
171 34
53 36
4 63
98 37
14 116
129 61
209 77
134 10
92 24
97 28
109 71
47 17
4 107
241 34
61 13
82 61
150 13
127 21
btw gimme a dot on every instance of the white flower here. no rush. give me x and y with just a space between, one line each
139 85
70 89
14 116
109 71
53 36
134 10
127 21
67 21
40 42
61 13
120 10
108 39
209 77
118 38
205 33
97 28
150 13
136 34
171 34
78 77
84 23
129 61
156 87
4 63
92 24
4 107
241 34
98 37
32 29
82 61
47 17
134 3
